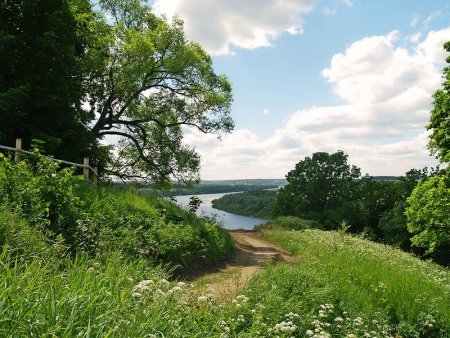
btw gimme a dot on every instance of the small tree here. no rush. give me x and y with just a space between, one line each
428 216
318 188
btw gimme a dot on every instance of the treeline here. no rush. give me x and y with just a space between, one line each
250 203
214 187
412 212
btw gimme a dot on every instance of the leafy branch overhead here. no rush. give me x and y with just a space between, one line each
83 75
153 84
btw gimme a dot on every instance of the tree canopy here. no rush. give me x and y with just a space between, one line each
317 185
440 117
79 77
428 215
150 85
40 78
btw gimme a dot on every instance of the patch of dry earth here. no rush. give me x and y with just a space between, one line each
251 254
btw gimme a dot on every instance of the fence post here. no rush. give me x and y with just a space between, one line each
86 168
94 178
18 149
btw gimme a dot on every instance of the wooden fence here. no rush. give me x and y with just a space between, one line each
87 169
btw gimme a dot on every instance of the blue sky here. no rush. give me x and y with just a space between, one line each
309 76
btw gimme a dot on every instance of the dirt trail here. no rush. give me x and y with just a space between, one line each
251 254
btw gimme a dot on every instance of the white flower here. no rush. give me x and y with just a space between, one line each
309 333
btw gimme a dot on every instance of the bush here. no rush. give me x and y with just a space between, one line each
291 223
393 227
84 218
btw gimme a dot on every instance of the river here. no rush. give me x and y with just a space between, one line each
225 219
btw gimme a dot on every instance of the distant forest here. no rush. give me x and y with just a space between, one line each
215 187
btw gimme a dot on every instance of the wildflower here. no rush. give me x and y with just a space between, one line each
174 290
338 319
202 299
309 333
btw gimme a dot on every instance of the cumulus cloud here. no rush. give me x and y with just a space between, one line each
219 25
386 98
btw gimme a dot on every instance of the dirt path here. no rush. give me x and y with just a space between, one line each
251 254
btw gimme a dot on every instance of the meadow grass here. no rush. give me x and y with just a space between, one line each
341 287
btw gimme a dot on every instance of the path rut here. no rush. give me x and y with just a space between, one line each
251 254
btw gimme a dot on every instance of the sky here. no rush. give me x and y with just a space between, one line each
319 75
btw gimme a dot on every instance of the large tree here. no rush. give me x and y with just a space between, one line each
429 204
80 78
40 80
319 188
148 86
440 117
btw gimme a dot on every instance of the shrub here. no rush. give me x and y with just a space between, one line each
65 209
291 223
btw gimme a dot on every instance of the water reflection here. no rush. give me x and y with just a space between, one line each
226 220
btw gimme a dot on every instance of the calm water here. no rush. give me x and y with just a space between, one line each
227 220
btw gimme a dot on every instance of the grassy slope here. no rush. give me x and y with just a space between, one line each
372 288
365 279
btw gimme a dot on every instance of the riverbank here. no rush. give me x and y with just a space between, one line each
226 220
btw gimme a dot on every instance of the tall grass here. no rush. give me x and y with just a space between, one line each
340 287
365 279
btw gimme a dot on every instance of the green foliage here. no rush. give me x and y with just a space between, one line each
141 79
392 224
429 217
317 187
98 220
250 203
40 81
440 117
148 83
291 223
194 203
215 187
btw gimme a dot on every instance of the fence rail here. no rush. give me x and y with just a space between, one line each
85 166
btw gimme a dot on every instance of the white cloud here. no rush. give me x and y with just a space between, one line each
329 11
266 112
431 17
415 38
219 25
349 3
415 20
386 98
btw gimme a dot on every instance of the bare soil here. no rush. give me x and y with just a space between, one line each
251 254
